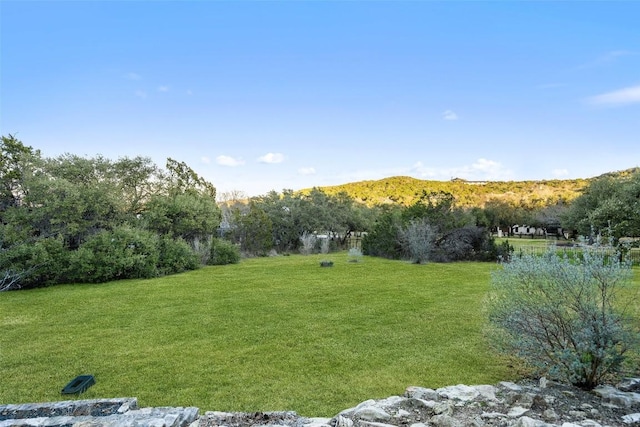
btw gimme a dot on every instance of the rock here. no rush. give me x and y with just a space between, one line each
631 418
458 392
528 422
629 385
517 411
444 420
341 421
506 404
371 413
421 393
317 422
616 397
510 386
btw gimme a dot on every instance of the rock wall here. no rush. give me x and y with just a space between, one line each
506 404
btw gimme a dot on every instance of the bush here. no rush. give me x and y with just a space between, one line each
43 262
122 253
564 317
176 256
418 240
467 244
223 252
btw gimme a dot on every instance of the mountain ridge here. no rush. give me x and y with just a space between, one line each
406 190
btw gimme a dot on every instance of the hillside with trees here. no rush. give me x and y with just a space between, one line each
405 190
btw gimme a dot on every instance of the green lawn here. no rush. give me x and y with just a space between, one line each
266 334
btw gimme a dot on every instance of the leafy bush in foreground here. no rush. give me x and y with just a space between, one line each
122 253
565 317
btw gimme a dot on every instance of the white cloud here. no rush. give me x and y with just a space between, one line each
271 158
140 94
229 161
560 172
132 76
449 115
163 88
307 171
628 95
205 160
480 170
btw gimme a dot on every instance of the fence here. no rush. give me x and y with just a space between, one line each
633 254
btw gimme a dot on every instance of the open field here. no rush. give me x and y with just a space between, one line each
267 334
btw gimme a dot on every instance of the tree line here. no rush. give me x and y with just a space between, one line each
75 219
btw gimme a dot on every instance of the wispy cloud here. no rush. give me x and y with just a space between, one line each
205 160
229 161
163 88
560 173
449 115
480 170
140 94
132 76
629 95
307 171
607 58
271 158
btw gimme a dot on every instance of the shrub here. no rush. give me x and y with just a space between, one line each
564 317
42 262
176 256
121 253
223 252
418 240
467 244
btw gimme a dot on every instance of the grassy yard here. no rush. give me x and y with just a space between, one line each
267 334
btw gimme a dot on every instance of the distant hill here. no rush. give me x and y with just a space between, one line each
406 190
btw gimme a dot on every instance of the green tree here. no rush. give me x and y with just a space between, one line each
609 206
15 161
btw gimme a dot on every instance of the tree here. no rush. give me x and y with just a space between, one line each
609 206
254 230
15 161
565 317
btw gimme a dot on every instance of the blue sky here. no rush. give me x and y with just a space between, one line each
266 95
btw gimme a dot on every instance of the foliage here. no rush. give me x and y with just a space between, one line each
188 216
253 230
467 244
15 159
73 218
223 252
40 262
384 238
176 256
405 191
609 206
565 317
418 240
121 253
505 251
